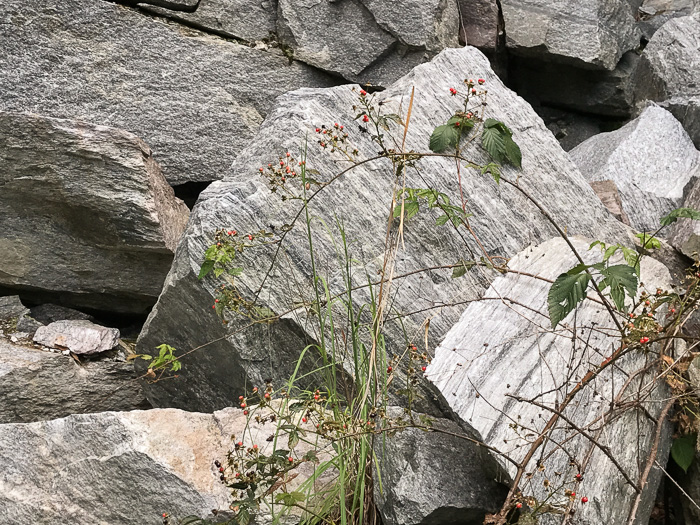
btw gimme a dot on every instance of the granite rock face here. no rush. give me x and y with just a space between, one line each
503 353
684 235
85 214
123 467
479 23
669 72
436 478
504 221
371 40
196 99
650 160
36 385
591 35
80 337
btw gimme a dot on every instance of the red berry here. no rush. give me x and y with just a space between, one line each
365 119
243 405
255 447
388 370
165 515
423 368
289 154
240 443
317 397
647 303
218 244
261 170
518 505
584 499
644 340
318 130
250 237
255 389
303 420
291 459
363 93
216 300
240 398
473 91
221 469
453 91
578 477
267 396
673 310
481 81
234 232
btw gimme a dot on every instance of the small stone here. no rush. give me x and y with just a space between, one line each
79 337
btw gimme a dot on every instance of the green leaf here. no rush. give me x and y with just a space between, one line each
206 268
648 241
243 517
293 439
190 520
621 278
493 143
687 213
462 269
566 292
444 137
410 209
513 153
442 220
683 450
494 170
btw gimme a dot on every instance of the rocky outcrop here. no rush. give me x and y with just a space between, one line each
607 192
592 35
669 72
505 371
505 222
125 467
368 41
36 385
650 160
479 23
652 14
684 235
196 99
436 477
79 337
86 216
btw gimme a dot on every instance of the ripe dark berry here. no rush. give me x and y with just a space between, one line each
217 463
245 412
221 469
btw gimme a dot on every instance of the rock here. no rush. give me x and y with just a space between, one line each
684 235
235 356
418 482
669 71
80 337
248 20
479 23
591 35
11 308
503 352
650 160
49 313
423 26
125 467
28 325
652 14
36 385
196 117
607 192
86 216
563 86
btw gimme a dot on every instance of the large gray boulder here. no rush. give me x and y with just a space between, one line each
503 353
196 99
650 160
36 385
669 72
86 216
435 477
505 222
479 23
367 40
592 35
652 14
125 467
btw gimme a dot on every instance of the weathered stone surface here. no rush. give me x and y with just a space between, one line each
36 385
650 160
80 337
669 71
124 467
49 313
592 34
652 14
196 99
249 20
11 307
434 478
85 214
369 38
479 23
504 221
28 325
504 349
685 233
607 192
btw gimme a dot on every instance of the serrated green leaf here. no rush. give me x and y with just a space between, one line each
190 520
293 439
685 213
621 279
444 137
513 153
566 292
206 268
610 251
243 517
493 143
462 269
648 241
442 220
411 209
683 450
